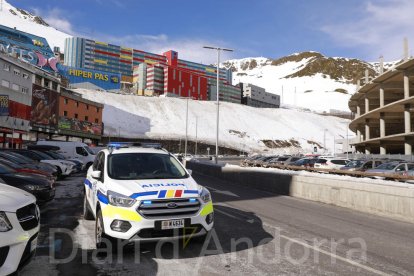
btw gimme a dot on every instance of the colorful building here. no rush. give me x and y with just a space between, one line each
147 73
28 47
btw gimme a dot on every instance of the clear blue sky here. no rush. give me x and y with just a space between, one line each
270 28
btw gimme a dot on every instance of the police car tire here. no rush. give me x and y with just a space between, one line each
87 213
105 239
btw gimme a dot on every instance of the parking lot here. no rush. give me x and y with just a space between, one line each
255 232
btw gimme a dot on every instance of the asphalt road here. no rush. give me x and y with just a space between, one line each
255 233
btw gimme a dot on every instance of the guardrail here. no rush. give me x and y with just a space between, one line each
395 177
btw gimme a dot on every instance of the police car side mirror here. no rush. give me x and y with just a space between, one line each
96 174
190 172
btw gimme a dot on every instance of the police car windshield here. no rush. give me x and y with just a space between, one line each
130 166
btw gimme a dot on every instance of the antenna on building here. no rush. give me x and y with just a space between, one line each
405 48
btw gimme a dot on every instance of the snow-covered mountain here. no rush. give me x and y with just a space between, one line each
241 127
308 79
30 23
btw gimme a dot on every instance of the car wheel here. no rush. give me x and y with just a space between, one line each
87 213
102 240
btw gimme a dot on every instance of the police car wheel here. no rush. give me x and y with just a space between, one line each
87 213
103 240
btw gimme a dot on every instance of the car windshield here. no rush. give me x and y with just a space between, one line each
354 163
44 156
88 149
10 164
130 166
18 157
387 166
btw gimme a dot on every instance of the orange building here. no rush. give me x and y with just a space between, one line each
79 117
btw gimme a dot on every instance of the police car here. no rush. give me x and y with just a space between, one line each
143 193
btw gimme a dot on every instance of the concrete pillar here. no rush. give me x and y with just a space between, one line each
407 118
381 91
383 150
366 104
42 82
406 86
367 150
358 112
58 88
367 130
359 138
382 124
408 146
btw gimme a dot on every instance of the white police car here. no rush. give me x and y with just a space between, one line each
143 193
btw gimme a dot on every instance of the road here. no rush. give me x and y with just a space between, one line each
255 233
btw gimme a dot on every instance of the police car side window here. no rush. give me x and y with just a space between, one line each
101 164
95 165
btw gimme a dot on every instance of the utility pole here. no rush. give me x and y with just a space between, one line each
186 130
218 49
195 151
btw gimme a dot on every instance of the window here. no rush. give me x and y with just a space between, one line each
86 118
47 83
15 87
97 109
25 76
65 113
5 83
87 107
96 121
38 80
76 115
16 72
6 67
24 90
81 151
65 101
77 104
54 86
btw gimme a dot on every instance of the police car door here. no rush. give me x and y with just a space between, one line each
98 165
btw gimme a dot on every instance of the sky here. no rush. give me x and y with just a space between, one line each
262 28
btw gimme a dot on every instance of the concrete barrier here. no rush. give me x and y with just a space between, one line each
389 200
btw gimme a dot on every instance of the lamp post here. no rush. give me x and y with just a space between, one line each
324 139
186 131
195 151
218 49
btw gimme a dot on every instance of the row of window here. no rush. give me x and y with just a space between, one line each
65 114
14 86
66 101
16 72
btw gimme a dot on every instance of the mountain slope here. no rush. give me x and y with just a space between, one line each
27 22
241 127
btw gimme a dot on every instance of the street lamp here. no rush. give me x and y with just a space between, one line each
324 139
186 131
218 49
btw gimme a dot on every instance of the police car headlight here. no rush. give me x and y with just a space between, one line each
5 224
205 195
120 200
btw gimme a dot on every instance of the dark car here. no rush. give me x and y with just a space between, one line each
23 169
41 187
305 162
261 161
27 162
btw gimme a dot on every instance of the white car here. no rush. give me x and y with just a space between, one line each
144 194
19 227
331 163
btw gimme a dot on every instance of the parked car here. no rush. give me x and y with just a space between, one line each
330 163
19 228
72 150
23 169
28 163
304 162
261 161
41 187
52 151
249 161
283 160
64 168
395 167
361 165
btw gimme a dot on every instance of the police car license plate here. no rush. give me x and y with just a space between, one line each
172 224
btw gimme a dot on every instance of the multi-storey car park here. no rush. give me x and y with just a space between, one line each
383 109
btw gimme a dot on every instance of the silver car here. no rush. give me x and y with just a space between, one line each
396 167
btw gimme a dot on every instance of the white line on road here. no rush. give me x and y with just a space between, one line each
222 192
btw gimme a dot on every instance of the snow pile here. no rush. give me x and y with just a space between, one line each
241 127
30 23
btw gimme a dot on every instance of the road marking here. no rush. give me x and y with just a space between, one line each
232 216
222 192
367 268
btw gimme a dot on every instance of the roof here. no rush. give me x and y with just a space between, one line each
136 150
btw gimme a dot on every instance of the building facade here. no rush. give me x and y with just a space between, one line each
258 97
79 117
227 93
16 80
383 109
